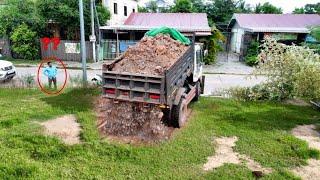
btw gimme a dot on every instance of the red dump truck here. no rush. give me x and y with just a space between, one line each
173 91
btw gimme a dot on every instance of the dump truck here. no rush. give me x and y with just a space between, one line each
180 84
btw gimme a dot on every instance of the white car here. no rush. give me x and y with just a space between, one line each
7 70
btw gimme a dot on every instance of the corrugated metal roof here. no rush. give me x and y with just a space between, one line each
185 22
296 23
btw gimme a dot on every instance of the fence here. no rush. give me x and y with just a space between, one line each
110 49
67 51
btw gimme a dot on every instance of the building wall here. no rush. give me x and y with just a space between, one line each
119 18
236 38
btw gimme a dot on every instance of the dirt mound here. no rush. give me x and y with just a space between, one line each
151 56
66 128
126 119
226 155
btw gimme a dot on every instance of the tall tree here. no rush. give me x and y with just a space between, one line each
308 9
18 12
298 11
182 6
66 14
267 8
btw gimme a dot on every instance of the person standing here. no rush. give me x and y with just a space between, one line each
51 72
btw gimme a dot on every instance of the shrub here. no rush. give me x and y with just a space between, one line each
24 42
252 54
213 43
291 71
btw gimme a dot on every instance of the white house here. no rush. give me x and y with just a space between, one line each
120 10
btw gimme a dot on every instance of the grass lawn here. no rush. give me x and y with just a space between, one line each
22 61
262 128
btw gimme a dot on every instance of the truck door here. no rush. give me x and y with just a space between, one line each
198 62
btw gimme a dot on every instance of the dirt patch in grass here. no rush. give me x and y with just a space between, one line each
308 133
131 121
297 102
311 135
65 128
225 154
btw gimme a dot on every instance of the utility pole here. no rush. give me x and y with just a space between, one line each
83 44
93 36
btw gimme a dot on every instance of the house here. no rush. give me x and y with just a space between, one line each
286 28
117 38
120 10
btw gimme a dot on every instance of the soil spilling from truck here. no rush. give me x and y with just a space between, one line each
151 56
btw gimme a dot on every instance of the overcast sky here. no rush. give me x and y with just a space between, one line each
287 5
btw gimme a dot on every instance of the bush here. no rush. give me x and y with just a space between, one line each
24 42
251 60
213 43
292 72
252 54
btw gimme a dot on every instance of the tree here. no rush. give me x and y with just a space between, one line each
298 11
18 12
267 8
221 10
66 14
182 6
242 7
24 42
308 9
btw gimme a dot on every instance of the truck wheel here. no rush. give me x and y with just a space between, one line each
198 91
179 113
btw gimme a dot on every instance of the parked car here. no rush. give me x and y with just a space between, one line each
7 70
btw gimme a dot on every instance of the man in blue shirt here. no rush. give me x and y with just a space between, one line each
51 73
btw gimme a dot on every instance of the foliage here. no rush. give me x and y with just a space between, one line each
182 6
292 71
24 42
313 46
151 7
315 32
242 7
18 12
103 14
308 9
267 8
252 54
66 14
263 130
213 44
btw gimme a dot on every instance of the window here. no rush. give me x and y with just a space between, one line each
125 11
133 10
115 8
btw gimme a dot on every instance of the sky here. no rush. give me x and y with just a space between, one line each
287 5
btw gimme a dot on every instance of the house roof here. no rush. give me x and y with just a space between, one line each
184 22
293 23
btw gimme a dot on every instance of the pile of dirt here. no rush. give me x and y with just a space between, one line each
65 128
126 119
151 56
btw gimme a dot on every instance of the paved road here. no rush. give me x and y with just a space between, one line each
71 73
214 82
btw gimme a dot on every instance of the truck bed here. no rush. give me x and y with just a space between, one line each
145 88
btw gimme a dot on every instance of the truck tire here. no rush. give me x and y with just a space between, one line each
198 91
179 113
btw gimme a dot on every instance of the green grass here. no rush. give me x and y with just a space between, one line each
22 61
262 128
